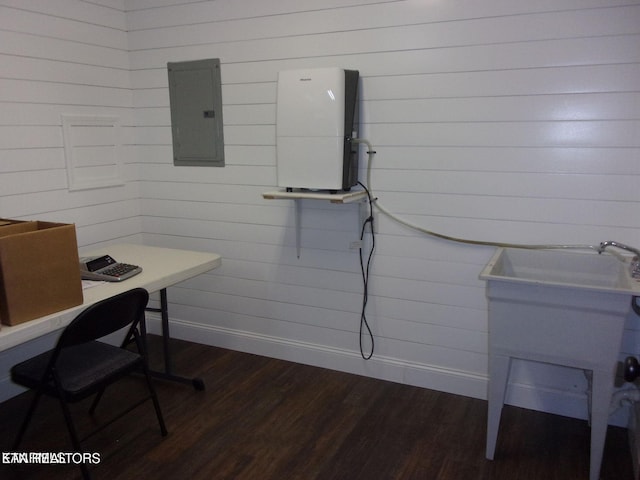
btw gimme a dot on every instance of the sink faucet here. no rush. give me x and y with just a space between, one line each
611 243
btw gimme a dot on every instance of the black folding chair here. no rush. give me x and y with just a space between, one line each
80 366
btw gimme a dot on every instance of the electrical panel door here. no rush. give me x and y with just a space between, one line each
196 112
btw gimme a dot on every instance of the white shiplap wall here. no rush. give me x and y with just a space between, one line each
62 57
499 120
65 57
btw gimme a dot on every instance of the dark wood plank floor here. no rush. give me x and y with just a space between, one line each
263 419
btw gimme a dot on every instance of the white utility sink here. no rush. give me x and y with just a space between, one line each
562 268
560 307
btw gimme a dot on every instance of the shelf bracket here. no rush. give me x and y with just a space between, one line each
298 196
298 218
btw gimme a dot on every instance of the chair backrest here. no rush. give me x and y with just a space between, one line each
105 317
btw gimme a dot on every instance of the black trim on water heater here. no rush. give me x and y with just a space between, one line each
351 124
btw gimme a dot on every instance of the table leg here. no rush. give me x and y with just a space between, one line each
168 374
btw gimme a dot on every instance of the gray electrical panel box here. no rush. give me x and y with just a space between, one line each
195 95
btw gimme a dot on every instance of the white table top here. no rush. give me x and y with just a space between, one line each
161 268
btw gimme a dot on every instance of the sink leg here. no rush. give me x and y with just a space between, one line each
499 366
589 376
601 391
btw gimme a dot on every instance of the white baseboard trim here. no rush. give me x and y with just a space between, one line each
458 382
385 368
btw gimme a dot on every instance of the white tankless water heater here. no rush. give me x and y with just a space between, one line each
316 119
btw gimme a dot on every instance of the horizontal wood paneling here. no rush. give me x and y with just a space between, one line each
587 160
45 203
30 45
81 95
104 13
521 31
387 27
504 121
467 58
511 108
18 19
501 120
536 209
58 58
536 185
146 14
49 71
336 218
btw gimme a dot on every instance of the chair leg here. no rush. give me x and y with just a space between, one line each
74 436
142 349
154 399
27 420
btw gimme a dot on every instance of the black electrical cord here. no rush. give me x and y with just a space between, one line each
364 324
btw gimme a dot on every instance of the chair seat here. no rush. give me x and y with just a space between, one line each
83 369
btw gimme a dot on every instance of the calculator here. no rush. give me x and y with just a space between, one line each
107 269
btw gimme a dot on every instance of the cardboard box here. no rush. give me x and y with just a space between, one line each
39 269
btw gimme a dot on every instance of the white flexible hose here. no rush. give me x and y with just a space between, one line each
421 229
